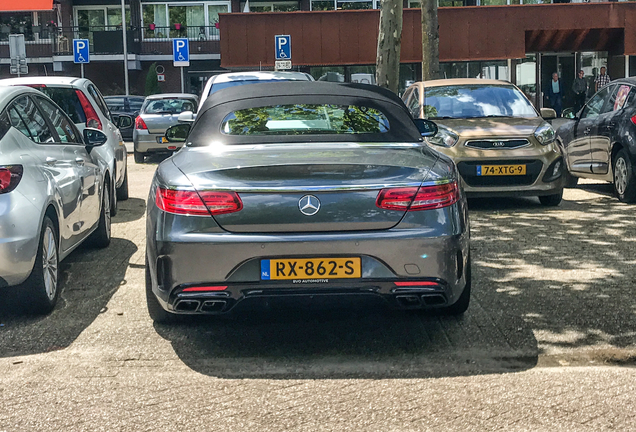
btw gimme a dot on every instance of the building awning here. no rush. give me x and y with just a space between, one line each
26 5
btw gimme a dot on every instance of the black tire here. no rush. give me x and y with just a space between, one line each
101 236
157 313
139 157
624 180
551 200
570 180
41 289
113 201
461 305
122 191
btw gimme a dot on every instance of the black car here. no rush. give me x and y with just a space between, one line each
125 105
600 141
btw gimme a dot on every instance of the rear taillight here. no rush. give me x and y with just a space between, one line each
205 288
422 198
36 86
92 119
10 176
633 119
140 123
204 203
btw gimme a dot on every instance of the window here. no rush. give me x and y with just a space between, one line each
169 106
38 128
318 5
67 99
275 6
172 20
414 103
101 103
65 130
116 104
98 18
305 119
595 105
475 101
18 123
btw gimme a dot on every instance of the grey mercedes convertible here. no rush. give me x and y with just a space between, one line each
305 189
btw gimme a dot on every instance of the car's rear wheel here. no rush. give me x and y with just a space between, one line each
624 180
122 191
139 157
101 236
551 200
461 305
41 289
157 313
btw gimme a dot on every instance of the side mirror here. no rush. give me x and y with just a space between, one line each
94 137
124 121
178 133
548 114
186 117
427 128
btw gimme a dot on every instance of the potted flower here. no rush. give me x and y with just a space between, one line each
152 26
177 26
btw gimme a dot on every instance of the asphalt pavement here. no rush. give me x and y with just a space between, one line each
548 343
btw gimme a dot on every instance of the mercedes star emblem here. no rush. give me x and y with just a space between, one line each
309 205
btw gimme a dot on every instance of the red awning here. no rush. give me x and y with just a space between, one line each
25 5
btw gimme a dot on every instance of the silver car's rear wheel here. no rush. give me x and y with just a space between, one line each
41 289
101 236
620 176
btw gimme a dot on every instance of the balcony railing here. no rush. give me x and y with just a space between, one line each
108 40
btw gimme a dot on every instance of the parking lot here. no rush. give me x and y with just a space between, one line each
548 343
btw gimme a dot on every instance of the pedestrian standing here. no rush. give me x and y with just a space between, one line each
579 87
602 80
555 93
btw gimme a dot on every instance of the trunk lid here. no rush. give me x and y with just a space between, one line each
158 123
281 186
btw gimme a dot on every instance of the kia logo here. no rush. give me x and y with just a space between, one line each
309 205
498 144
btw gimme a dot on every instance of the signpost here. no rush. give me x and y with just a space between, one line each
283 52
181 56
81 53
17 53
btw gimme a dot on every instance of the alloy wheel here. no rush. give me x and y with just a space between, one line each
620 175
49 263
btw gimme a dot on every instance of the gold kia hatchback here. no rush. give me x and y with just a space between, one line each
502 146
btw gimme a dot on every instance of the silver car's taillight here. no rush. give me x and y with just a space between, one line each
10 177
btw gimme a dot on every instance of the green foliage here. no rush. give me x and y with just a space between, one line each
306 119
152 85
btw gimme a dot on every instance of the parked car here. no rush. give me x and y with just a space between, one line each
600 141
53 195
301 189
129 105
85 105
157 114
232 79
500 143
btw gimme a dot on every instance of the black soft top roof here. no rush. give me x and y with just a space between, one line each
218 105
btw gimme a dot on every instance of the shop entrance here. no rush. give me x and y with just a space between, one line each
565 65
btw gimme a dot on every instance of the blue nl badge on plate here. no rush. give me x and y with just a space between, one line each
265 270
478 170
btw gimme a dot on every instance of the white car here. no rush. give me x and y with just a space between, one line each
85 105
225 80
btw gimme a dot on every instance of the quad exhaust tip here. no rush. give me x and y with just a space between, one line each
414 301
206 306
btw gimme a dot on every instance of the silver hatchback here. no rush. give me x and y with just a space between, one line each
157 114
53 194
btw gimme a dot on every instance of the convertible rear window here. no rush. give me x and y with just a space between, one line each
305 119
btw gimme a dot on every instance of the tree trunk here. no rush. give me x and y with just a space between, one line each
430 40
387 73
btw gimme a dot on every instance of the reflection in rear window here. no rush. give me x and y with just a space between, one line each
305 119
67 99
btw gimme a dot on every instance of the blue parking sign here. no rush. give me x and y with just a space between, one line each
181 52
283 47
81 52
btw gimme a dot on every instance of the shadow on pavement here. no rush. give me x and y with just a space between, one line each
359 338
129 210
89 278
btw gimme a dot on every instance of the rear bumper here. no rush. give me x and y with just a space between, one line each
145 142
234 261
19 237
